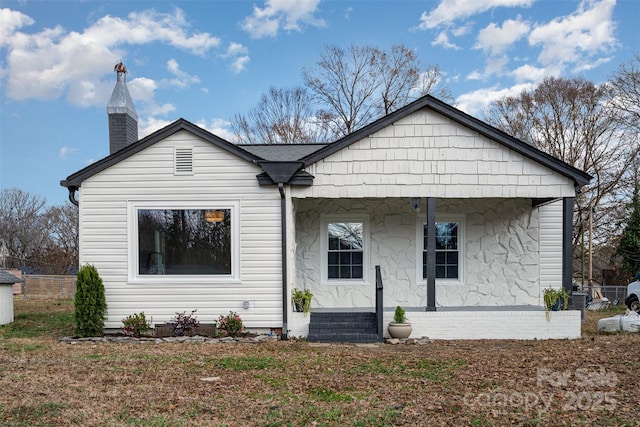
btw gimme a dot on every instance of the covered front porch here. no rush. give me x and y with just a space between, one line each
463 268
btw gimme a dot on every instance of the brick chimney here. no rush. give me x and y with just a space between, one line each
123 119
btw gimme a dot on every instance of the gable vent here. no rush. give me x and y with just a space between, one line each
183 161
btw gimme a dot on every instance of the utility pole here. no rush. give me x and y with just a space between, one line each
590 247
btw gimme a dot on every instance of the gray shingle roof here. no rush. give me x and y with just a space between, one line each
283 152
8 278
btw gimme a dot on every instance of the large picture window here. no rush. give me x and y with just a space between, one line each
448 250
184 241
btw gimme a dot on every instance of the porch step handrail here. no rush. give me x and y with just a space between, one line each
379 303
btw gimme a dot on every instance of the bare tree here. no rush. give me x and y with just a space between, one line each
38 236
347 89
356 85
61 253
23 228
625 86
572 119
399 73
345 82
282 116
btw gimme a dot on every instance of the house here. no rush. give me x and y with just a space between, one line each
465 225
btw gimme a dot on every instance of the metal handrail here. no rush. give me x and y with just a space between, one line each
379 303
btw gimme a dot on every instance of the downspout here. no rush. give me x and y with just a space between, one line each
72 195
285 296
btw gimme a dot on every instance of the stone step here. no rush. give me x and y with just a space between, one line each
357 327
343 317
343 337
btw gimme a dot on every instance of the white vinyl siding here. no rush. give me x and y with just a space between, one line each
148 177
550 245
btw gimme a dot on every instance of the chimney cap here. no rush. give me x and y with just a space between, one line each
120 68
120 101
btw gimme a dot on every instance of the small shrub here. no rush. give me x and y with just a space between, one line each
231 324
135 325
184 323
399 316
90 303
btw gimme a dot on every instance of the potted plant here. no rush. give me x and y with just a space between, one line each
301 300
399 328
554 300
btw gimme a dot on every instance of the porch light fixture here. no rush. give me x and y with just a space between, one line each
214 216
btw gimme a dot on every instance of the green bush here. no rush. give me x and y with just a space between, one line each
135 324
230 325
90 303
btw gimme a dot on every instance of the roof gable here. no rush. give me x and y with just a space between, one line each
579 177
181 124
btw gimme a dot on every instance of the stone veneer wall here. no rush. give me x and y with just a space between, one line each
501 266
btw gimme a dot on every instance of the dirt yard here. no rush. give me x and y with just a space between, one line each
591 381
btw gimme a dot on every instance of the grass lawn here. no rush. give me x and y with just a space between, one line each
588 381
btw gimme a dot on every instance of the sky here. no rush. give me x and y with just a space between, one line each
206 61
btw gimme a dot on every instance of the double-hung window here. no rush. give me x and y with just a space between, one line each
186 241
344 247
449 245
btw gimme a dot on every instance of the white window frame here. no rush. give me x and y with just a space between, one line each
325 220
462 243
132 242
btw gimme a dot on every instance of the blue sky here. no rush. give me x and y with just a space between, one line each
208 60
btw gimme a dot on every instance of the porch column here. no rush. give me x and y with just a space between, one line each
567 244
431 253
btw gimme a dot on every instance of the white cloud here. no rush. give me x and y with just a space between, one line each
238 55
236 49
151 124
47 64
277 14
495 65
218 127
10 21
64 151
529 73
142 88
87 93
474 75
347 13
475 102
182 79
462 30
143 92
578 37
496 40
239 64
449 11
443 40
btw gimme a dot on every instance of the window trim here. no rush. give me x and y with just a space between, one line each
132 241
462 243
325 220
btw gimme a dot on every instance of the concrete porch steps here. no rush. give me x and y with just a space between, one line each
355 327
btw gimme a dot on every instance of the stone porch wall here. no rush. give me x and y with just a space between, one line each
501 263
